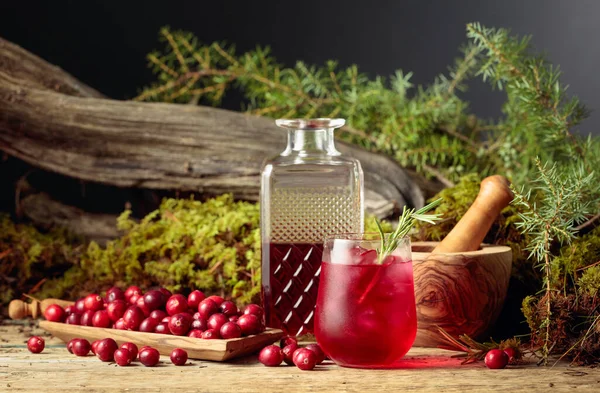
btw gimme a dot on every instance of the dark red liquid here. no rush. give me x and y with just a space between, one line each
290 282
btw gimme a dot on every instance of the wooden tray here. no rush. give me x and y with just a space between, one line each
197 348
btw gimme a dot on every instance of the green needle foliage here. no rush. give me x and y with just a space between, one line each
406 222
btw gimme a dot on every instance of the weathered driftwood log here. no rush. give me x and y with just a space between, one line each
24 65
51 121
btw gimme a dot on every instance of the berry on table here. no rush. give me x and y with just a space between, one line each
496 359
149 357
271 356
305 359
132 348
81 347
318 351
122 357
35 344
288 353
179 357
105 349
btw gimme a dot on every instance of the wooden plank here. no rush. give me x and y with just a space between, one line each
425 370
197 348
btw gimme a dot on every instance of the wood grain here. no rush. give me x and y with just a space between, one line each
197 348
461 292
427 370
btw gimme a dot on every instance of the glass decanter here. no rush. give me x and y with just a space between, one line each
309 192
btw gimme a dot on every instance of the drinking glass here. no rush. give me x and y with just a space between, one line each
365 314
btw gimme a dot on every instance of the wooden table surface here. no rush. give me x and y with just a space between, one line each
426 370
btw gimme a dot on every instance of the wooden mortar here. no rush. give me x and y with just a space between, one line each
461 292
460 284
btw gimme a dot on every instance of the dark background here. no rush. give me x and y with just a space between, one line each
104 43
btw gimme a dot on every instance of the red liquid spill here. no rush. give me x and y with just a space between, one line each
290 281
366 315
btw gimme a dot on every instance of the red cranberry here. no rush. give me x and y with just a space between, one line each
154 300
120 324
305 359
255 310
250 324
287 340
149 357
73 319
271 356
199 324
288 353
55 313
145 347
162 328
93 302
70 345
35 344
114 293
210 334
133 317
496 358
180 324
165 292
81 347
122 357
194 298
134 299
234 318
176 304
216 299
217 320
196 315
207 307
179 357
318 351
101 319
80 306
86 318
196 333
148 325
228 308
70 310
511 353
132 348
158 315
105 349
230 330
95 346
142 305
116 309
132 290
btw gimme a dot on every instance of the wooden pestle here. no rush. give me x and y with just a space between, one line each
18 309
494 195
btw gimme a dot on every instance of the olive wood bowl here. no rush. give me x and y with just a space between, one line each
462 292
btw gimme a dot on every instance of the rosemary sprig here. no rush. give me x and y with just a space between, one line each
405 224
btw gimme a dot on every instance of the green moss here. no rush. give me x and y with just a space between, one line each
589 282
572 260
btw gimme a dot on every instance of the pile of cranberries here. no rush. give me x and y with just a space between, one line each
288 351
160 311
